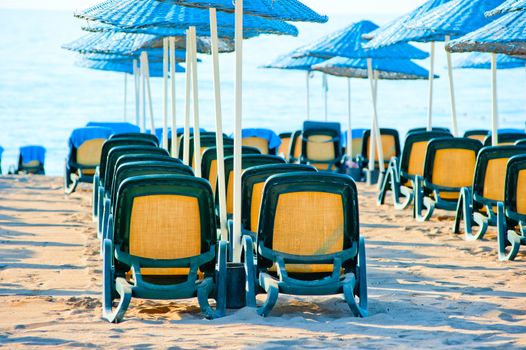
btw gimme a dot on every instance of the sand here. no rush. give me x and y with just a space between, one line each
428 288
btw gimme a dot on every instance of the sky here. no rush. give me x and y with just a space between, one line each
323 6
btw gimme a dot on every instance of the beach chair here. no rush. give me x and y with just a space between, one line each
321 145
207 141
448 167
506 138
478 205
357 137
113 155
390 147
100 170
511 213
162 244
117 127
479 134
135 135
520 142
265 140
401 172
434 128
308 241
209 162
295 147
31 160
284 147
85 147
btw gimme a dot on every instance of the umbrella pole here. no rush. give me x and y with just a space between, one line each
172 81
149 89
197 135
143 99
125 94
349 130
431 78
451 90
325 94
372 136
308 95
219 126
137 93
495 112
186 134
165 93
237 128
381 163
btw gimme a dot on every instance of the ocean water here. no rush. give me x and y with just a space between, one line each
43 96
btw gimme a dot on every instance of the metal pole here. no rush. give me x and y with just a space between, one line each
325 94
186 134
171 42
377 125
221 185
431 78
349 129
165 93
237 128
143 95
195 89
372 136
136 82
308 95
451 90
149 90
125 93
495 111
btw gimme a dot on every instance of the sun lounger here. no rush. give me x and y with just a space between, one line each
390 147
135 135
162 244
265 140
479 134
85 147
117 127
434 128
506 138
401 173
295 147
448 167
284 147
31 160
321 145
308 241
207 141
511 214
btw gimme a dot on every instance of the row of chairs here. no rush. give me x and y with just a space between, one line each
465 176
31 160
158 228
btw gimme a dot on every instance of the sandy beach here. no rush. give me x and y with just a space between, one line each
428 288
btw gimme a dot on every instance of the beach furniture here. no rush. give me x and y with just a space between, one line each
507 138
321 145
209 162
85 147
448 167
390 147
207 141
113 155
295 147
265 140
401 172
434 128
511 213
117 127
31 160
284 147
135 135
520 142
477 205
162 244
308 241
479 134
357 139
101 168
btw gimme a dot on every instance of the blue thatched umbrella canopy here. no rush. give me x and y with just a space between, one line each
122 66
155 55
478 60
508 6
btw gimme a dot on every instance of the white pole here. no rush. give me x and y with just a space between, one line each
125 94
431 78
325 93
195 89
172 81
186 135
165 93
451 90
308 95
219 126
137 93
377 125
349 129
237 128
149 90
495 111
372 135
143 94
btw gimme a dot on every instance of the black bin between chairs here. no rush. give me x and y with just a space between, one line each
235 286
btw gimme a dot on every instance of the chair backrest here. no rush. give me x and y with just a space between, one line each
116 152
515 187
207 141
434 128
321 142
85 145
257 142
265 140
31 159
490 172
109 144
450 163
117 127
506 138
479 134
520 142
390 144
146 167
252 182
309 214
164 217
247 161
414 153
209 162
136 135
357 140
283 150
295 147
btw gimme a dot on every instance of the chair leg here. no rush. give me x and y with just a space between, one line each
250 287
95 200
482 222
386 185
348 294
464 211
110 288
362 278
515 241
421 202
100 203
405 192
272 289
204 290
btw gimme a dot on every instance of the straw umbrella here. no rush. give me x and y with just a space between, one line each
506 35
288 62
357 68
454 19
508 6
397 32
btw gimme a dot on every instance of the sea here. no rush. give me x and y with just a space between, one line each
44 96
